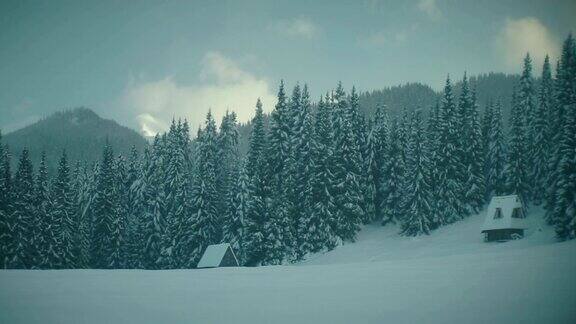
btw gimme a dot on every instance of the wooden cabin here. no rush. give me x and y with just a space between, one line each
505 219
218 255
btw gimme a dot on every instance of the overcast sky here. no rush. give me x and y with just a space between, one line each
143 62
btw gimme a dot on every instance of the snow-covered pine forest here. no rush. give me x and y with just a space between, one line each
312 176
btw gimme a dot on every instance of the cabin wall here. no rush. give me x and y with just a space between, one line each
501 234
228 260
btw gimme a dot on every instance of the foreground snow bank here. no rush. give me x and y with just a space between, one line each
444 278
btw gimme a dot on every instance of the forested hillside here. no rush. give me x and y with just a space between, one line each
309 180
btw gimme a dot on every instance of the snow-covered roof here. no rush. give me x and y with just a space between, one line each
506 204
213 255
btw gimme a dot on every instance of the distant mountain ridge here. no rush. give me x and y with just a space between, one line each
80 131
83 133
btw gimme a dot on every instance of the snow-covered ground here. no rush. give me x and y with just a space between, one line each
448 277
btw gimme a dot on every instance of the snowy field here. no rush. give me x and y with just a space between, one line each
449 277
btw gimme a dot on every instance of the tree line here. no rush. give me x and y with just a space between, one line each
312 176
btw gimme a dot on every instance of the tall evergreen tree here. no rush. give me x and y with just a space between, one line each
234 225
150 202
46 239
64 216
378 142
104 212
486 130
119 256
302 168
516 168
229 157
474 183
84 188
22 251
433 145
540 135
496 155
361 134
280 225
6 234
526 102
179 198
393 177
562 206
347 159
416 202
258 183
322 222
133 216
450 188
205 196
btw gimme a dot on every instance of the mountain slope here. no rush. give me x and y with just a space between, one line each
81 132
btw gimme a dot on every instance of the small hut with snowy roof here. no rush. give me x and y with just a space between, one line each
218 255
505 219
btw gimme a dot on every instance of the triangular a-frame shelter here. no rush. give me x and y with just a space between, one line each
218 255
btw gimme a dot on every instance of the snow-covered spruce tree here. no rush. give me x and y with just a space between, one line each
377 149
432 143
229 158
417 219
540 135
258 183
486 130
105 208
178 220
184 257
526 101
554 127
450 187
234 225
22 251
133 214
84 188
46 239
6 234
366 183
172 203
517 167
64 216
470 148
474 153
347 159
278 240
322 221
393 177
561 201
302 169
279 225
204 195
495 162
462 122
118 258
279 141
293 205
149 202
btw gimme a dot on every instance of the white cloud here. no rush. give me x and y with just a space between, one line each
520 36
430 8
299 27
222 85
382 38
388 37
